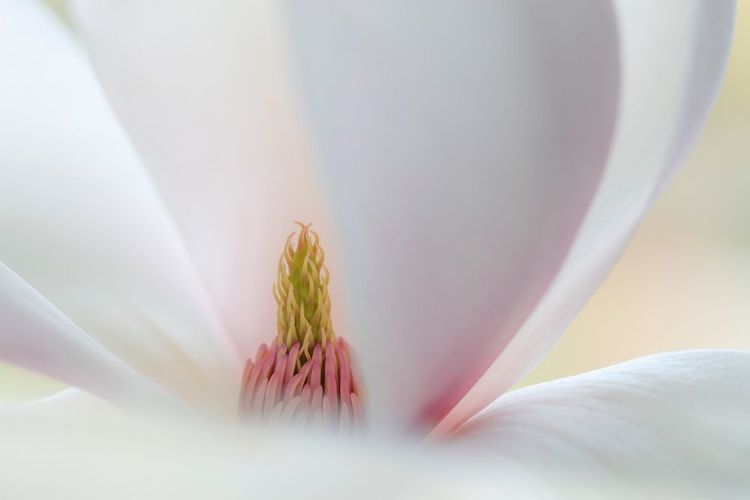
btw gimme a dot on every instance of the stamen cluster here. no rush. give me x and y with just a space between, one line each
324 392
307 376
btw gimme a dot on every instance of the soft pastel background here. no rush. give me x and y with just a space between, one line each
684 281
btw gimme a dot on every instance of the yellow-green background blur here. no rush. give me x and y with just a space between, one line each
684 281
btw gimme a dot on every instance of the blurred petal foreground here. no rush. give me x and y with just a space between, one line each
474 170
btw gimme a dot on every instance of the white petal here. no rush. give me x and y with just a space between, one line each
81 222
463 145
36 335
677 422
202 90
100 456
674 55
67 404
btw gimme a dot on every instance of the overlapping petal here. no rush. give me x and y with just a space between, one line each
82 224
674 423
36 335
674 54
462 145
441 150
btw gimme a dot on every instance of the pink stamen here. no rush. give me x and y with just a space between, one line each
321 393
288 411
344 419
276 414
271 393
291 363
259 396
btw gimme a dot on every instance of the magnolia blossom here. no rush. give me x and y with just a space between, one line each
473 169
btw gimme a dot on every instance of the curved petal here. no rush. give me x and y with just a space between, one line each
98 456
81 222
463 146
203 93
65 404
686 44
19 385
36 335
676 421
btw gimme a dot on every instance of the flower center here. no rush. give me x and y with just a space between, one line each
306 377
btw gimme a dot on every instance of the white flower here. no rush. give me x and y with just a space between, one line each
474 169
